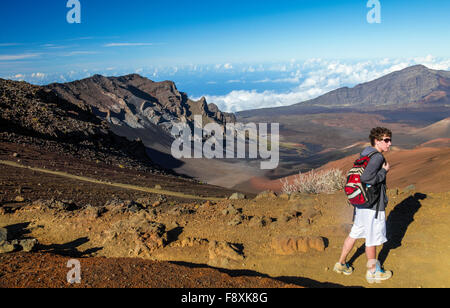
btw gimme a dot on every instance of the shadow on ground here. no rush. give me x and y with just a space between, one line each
18 231
69 249
398 222
400 218
298 281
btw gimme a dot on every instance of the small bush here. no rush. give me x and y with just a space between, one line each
314 182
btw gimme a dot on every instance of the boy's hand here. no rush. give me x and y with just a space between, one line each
386 166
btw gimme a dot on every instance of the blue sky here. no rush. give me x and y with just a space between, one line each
213 48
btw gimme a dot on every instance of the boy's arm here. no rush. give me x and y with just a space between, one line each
374 173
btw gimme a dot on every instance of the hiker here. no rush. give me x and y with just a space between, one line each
370 221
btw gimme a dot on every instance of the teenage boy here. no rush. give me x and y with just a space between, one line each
370 223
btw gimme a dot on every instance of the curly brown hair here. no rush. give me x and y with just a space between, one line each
378 133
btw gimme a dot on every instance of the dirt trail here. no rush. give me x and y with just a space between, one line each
119 185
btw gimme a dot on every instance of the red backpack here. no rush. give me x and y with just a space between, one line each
360 194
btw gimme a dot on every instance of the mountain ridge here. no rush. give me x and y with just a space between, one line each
138 102
413 87
33 115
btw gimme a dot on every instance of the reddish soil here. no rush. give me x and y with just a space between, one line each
437 143
424 167
41 270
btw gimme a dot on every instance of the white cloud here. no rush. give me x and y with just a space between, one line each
8 44
243 100
78 53
251 85
316 77
127 44
38 75
434 63
279 80
52 46
250 69
228 66
18 56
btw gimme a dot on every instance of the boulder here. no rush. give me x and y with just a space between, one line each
141 236
146 202
307 211
284 196
54 205
118 205
231 210
237 220
268 194
191 241
207 204
135 207
28 244
237 196
7 247
94 212
19 199
178 211
64 205
155 238
225 255
294 245
257 221
156 204
286 217
3 235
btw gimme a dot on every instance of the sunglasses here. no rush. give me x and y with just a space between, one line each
387 140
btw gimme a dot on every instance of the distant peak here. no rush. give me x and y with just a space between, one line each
134 76
130 77
418 67
126 77
414 69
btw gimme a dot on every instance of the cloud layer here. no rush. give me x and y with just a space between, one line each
236 87
315 77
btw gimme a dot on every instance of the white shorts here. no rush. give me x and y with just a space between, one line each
369 228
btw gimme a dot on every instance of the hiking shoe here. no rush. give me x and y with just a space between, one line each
379 275
343 269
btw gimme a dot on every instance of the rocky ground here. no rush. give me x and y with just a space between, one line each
34 116
47 270
261 241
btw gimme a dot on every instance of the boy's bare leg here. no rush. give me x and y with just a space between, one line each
348 246
371 253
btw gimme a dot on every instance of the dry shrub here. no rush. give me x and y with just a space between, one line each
314 182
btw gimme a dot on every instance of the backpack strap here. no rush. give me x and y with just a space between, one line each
376 152
372 154
377 210
384 161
